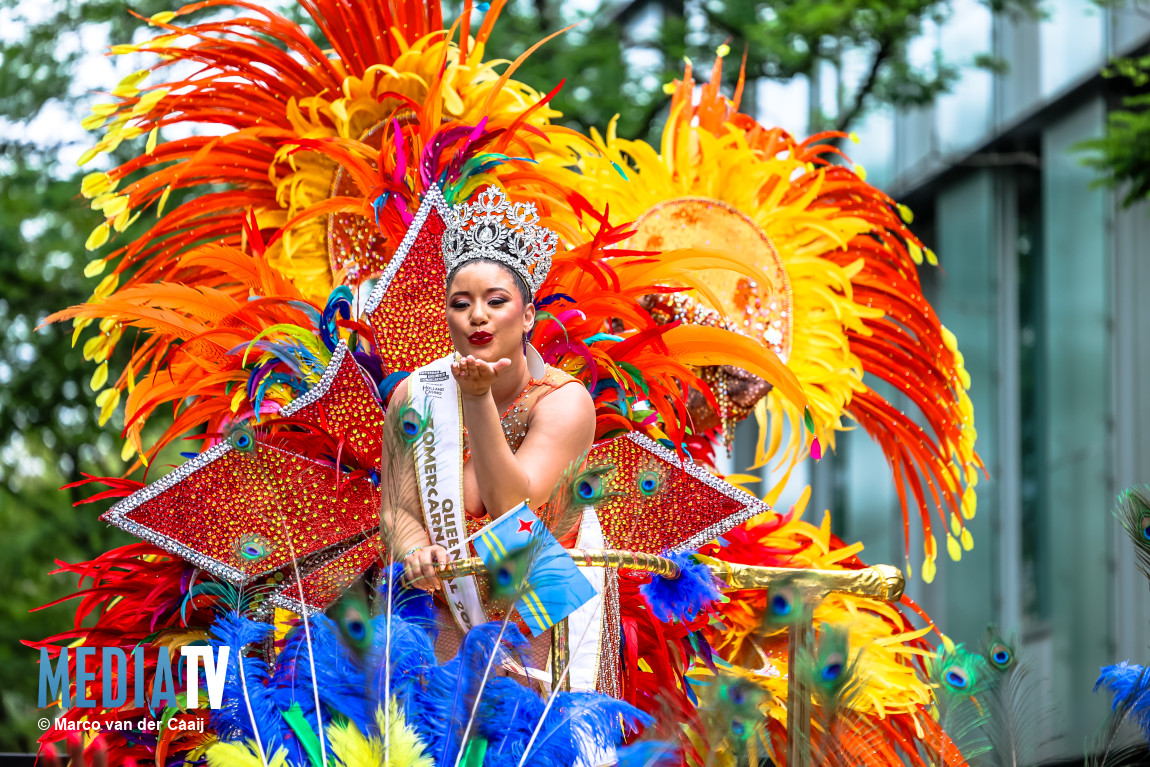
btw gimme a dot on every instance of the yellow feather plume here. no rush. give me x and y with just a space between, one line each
354 749
243 755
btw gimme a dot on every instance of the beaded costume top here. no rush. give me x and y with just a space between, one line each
515 419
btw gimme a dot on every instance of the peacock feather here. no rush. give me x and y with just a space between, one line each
959 678
1133 510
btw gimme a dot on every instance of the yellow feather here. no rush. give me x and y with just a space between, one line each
353 749
243 755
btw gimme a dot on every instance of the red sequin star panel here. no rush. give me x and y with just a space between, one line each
244 514
345 407
327 582
662 506
409 320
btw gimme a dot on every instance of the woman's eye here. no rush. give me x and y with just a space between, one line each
497 301
458 304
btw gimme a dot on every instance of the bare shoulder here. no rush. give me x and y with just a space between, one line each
400 392
568 407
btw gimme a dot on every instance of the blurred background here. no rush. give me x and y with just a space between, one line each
1014 130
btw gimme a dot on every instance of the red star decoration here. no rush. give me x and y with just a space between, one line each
688 507
526 526
246 515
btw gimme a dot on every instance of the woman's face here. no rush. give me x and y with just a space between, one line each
486 314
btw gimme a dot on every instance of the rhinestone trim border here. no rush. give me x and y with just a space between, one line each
433 198
118 514
752 506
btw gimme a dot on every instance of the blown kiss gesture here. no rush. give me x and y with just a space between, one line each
476 376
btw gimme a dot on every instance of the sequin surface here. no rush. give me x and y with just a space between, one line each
345 407
688 507
327 582
212 509
406 307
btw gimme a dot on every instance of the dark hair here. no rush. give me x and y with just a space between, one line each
520 285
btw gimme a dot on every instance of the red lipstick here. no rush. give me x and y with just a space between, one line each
480 338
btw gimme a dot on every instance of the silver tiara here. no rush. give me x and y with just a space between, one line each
494 227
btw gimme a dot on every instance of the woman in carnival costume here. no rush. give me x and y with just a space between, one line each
343 168
502 424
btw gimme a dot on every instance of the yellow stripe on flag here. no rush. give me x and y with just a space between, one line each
546 622
530 606
493 543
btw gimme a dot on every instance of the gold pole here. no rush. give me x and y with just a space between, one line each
798 697
882 582
559 657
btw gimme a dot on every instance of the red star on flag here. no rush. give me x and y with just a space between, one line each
526 526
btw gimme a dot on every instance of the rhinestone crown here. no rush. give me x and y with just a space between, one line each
495 228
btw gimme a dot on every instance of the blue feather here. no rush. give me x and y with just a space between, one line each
377 206
339 679
682 598
510 712
269 381
285 353
601 337
545 301
390 382
307 309
1130 685
232 720
650 754
447 696
620 395
338 303
436 699
412 605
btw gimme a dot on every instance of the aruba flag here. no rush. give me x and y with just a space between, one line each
520 546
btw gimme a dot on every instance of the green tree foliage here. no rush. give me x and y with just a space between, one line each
49 434
1122 155
863 44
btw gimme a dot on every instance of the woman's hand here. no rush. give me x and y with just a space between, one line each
419 567
476 376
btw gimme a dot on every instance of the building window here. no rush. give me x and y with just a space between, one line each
1032 401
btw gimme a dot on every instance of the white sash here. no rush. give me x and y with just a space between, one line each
587 621
439 469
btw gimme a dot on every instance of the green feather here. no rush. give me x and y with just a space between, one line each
828 669
307 738
476 750
636 376
788 603
1133 510
731 711
959 678
507 575
411 425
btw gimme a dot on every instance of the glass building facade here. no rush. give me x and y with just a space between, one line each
1042 280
